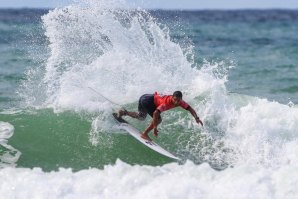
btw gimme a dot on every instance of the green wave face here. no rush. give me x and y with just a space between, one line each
50 141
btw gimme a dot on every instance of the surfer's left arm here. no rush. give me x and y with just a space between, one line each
194 114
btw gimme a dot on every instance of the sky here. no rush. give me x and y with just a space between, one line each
166 4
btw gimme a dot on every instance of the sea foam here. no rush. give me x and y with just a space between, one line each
8 154
169 181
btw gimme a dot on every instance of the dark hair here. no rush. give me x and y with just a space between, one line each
177 94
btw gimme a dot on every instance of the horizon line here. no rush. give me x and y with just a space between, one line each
161 9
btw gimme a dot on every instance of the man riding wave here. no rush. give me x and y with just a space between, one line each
154 105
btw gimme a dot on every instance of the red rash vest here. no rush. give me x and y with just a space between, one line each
164 102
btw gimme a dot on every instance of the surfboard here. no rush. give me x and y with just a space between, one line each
124 125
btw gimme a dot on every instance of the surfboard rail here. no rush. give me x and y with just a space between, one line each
124 125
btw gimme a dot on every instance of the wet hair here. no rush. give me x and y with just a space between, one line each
177 94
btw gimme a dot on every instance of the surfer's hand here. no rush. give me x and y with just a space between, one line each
199 121
155 132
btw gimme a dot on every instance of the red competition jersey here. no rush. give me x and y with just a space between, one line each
164 102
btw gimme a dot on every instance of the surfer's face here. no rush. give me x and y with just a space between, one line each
176 100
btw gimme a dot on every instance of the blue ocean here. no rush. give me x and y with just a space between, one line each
237 68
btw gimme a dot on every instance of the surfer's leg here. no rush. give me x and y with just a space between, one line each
141 115
146 132
122 113
128 113
145 104
150 108
149 128
151 111
137 115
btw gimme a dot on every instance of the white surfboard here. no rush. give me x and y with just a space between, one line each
124 125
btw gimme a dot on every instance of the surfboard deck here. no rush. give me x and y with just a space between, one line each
124 125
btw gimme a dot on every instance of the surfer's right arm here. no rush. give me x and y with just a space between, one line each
156 119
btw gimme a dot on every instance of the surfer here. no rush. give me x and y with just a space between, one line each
154 105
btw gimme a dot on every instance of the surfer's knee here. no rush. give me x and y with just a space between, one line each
159 120
141 116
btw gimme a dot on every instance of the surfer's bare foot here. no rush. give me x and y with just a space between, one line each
146 137
121 113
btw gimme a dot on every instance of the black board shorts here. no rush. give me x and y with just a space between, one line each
146 105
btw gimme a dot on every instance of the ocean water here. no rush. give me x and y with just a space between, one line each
237 69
